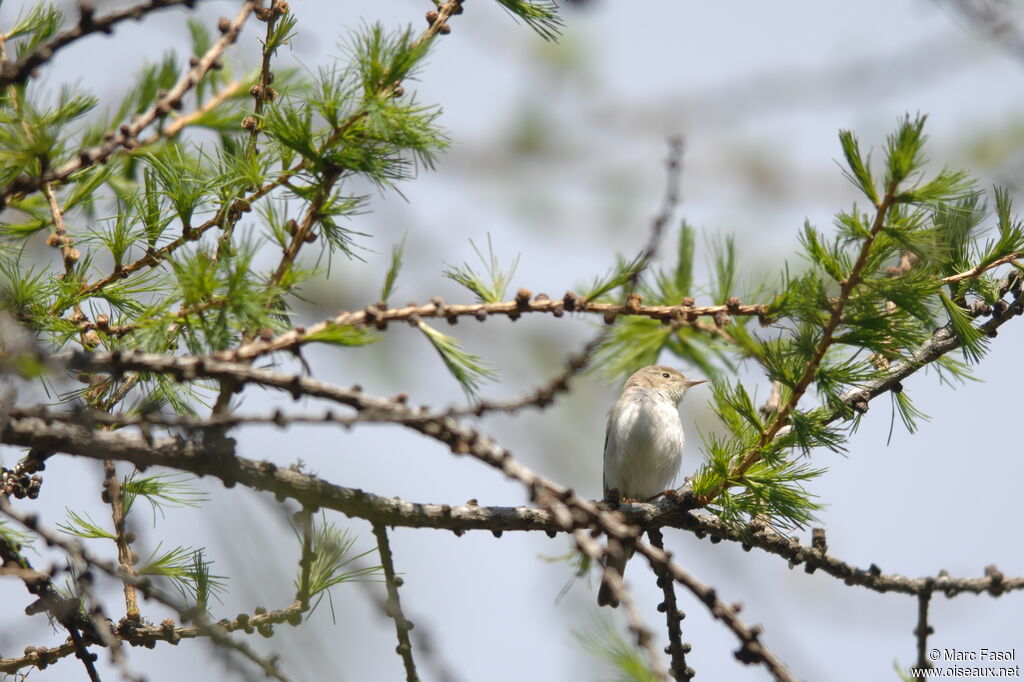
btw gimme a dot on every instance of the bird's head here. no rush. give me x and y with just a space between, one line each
665 380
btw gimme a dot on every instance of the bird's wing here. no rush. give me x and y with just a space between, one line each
604 468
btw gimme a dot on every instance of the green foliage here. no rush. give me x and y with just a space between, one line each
391 277
468 369
580 562
36 135
540 15
15 538
724 260
625 662
189 572
82 525
624 272
283 33
34 28
676 283
903 151
872 293
161 491
343 335
633 343
972 340
858 172
491 290
909 414
183 180
334 561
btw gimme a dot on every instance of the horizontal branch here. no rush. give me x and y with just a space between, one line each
685 313
138 634
218 461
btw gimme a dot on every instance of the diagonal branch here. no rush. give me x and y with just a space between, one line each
64 610
15 73
325 185
751 651
847 286
127 134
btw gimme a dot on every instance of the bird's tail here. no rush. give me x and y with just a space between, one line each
605 595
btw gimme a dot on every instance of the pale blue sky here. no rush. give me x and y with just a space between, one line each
759 90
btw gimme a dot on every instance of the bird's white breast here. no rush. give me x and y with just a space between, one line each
644 445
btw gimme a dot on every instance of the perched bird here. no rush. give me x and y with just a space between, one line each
643 445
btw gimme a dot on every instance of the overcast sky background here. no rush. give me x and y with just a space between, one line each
558 154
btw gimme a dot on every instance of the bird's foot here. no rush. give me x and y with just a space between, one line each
672 495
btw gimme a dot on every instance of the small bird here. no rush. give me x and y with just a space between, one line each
643 444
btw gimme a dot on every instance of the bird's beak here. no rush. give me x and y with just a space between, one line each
693 382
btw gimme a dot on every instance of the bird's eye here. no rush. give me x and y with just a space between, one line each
666 375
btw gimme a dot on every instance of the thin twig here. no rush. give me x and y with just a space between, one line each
677 649
305 520
178 124
921 632
126 136
393 605
751 651
673 183
15 73
215 631
423 639
979 269
262 92
125 555
146 635
543 396
65 611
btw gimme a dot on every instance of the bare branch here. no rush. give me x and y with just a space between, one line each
140 634
522 304
66 611
921 632
751 651
677 649
393 605
642 636
214 631
125 555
